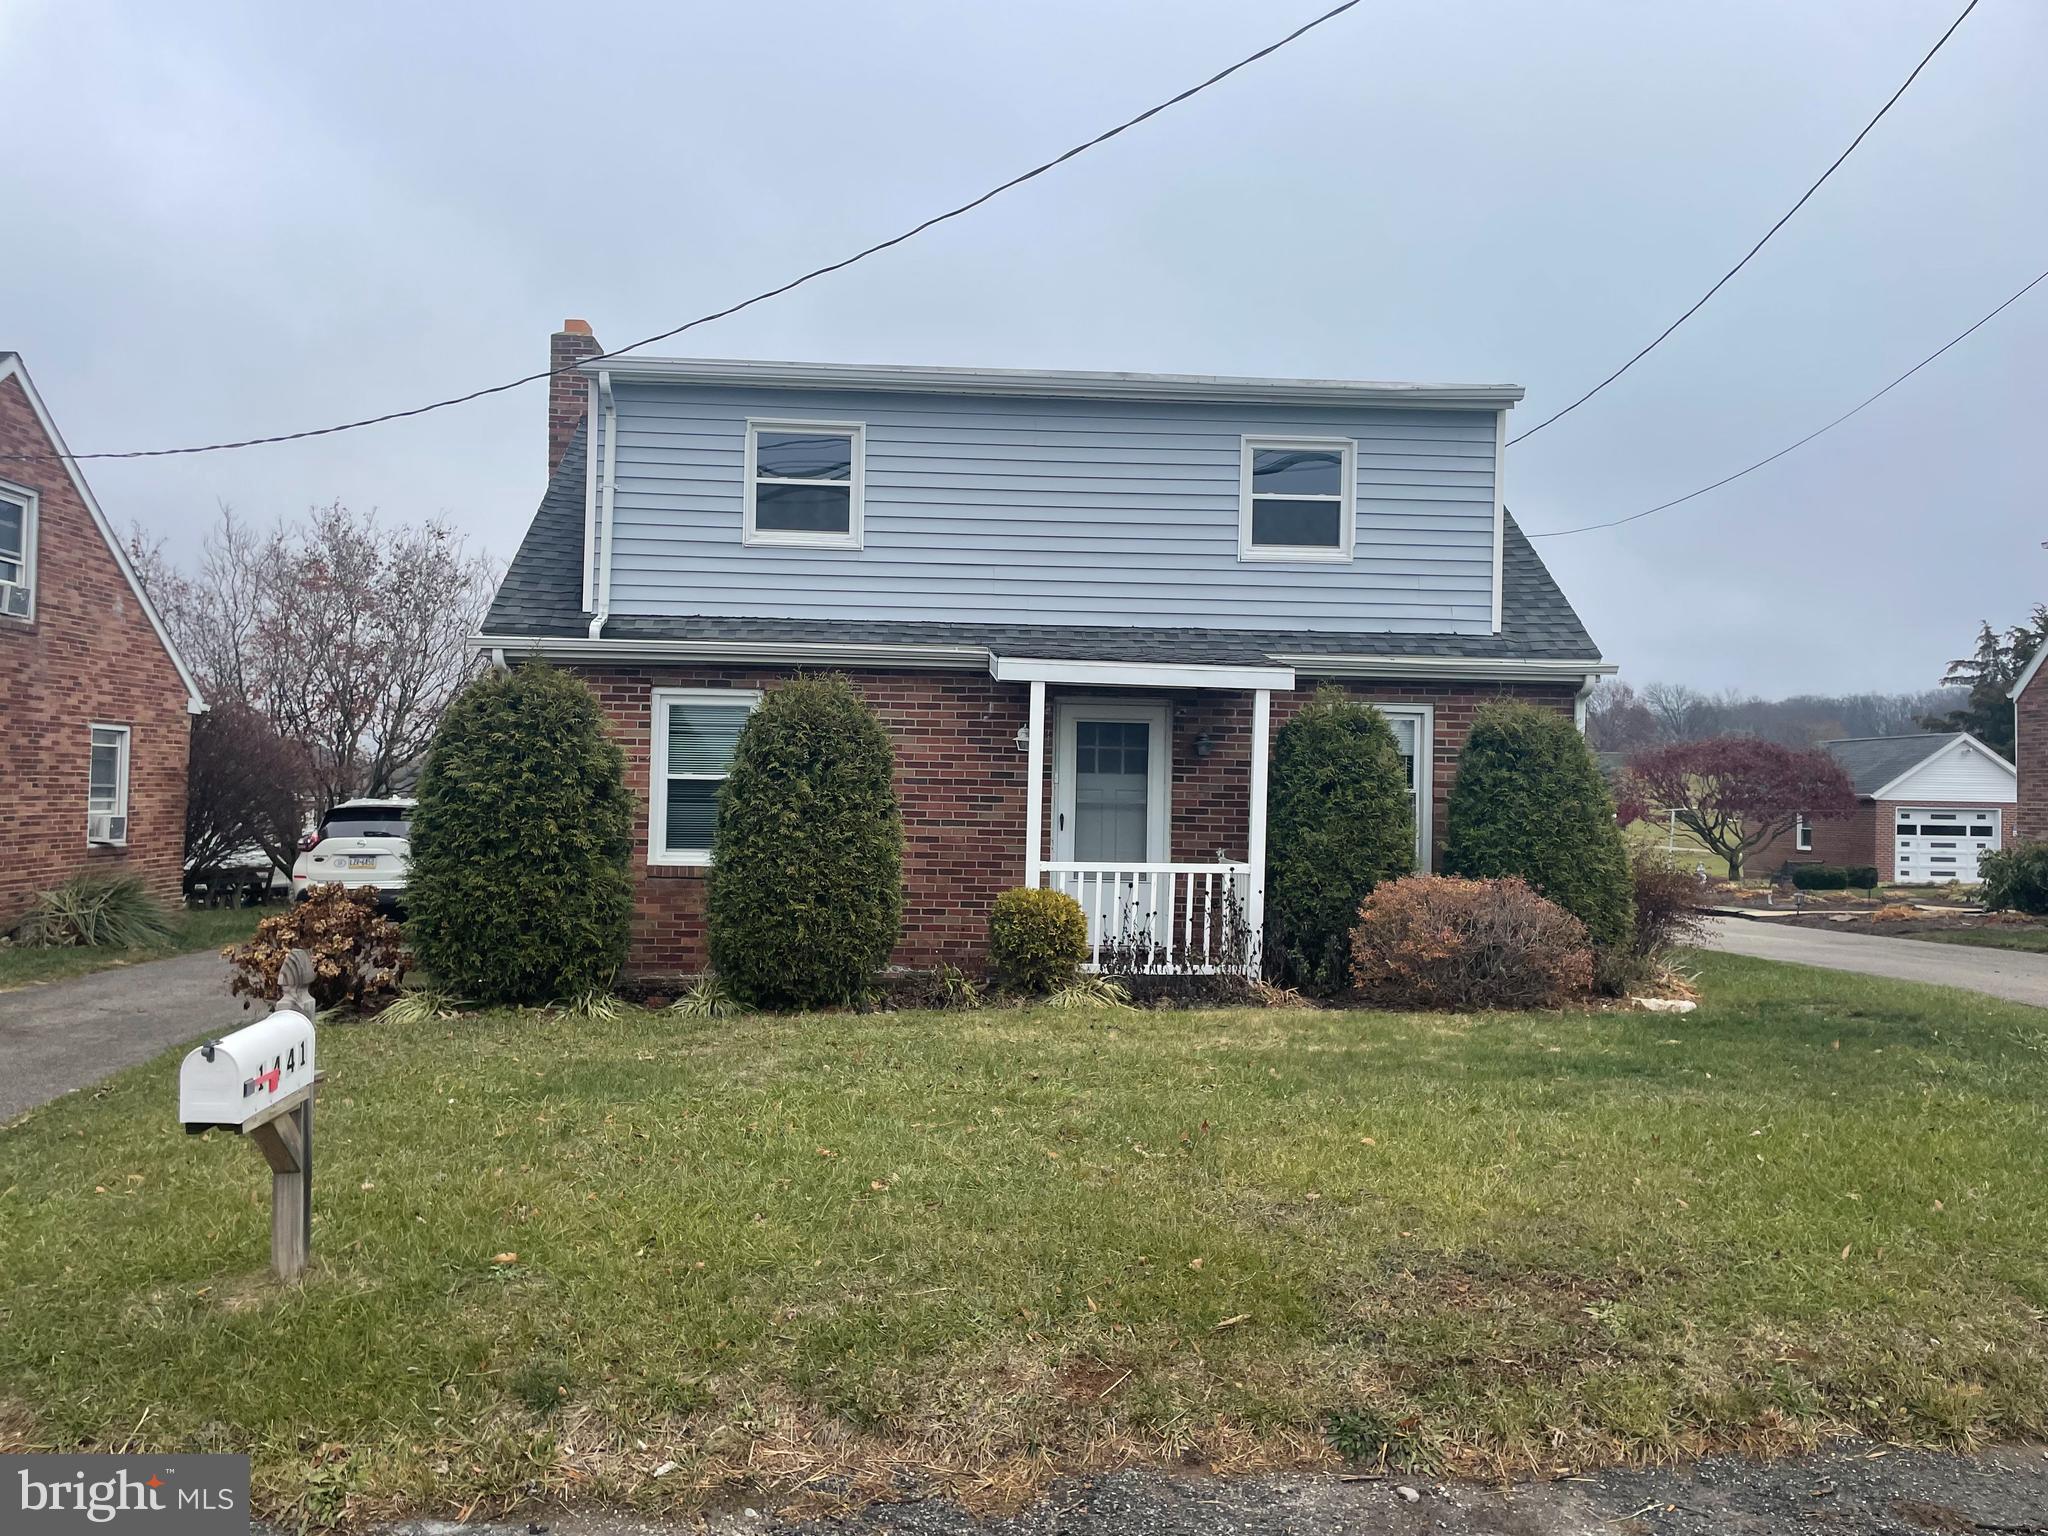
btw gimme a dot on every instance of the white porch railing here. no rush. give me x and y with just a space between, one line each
1190 919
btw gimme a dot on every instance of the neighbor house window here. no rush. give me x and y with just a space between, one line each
106 792
1414 728
17 552
695 730
1802 835
804 484
1295 499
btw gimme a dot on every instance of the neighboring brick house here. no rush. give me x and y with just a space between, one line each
1927 806
2030 752
1116 585
99 705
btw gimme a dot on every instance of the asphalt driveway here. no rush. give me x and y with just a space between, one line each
2014 975
70 1034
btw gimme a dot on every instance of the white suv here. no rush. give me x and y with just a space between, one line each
361 843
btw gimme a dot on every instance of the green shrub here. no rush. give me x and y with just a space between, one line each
98 912
1036 940
1338 821
2016 878
806 896
1862 877
1820 877
1464 944
517 890
359 961
1529 801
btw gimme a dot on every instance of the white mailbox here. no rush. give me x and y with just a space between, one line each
242 1079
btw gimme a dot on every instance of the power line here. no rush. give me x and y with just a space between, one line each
1701 302
1662 506
732 309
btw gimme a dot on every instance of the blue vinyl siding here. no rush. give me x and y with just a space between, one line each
1041 511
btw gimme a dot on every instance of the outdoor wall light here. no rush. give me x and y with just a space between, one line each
1023 738
1204 744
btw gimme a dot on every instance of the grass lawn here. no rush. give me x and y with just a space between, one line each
209 929
855 1254
2032 940
1679 843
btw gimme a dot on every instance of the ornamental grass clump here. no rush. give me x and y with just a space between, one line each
98 912
806 896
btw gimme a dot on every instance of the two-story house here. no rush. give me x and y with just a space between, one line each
98 703
1081 602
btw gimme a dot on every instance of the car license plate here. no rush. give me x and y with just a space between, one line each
362 861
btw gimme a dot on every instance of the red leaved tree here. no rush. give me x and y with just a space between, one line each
1737 793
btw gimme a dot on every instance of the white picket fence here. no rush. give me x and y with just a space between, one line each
1189 919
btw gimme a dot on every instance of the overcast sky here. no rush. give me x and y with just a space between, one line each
224 220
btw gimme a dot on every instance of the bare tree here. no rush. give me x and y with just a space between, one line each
246 790
345 635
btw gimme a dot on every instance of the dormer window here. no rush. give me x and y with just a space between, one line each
17 553
1295 499
804 483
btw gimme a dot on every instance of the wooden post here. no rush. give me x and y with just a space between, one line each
286 1140
1255 838
1034 776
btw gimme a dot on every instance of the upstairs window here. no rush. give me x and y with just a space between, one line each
695 731
106 792
17 553
1295 500
804 484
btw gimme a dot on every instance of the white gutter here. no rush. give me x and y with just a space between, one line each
1140 674
977 658
607 485
1459 669
1579 703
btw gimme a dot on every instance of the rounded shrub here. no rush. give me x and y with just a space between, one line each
806 896
2016 878
1338 821
1462 944
1530 802
517 890
1036 940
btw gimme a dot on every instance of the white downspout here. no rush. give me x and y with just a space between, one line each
607 481
1579 703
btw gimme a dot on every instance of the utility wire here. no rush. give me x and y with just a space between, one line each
1786 218
732 309
1663 506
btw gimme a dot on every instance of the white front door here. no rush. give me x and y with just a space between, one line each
1110 784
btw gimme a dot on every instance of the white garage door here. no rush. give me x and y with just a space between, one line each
1938 844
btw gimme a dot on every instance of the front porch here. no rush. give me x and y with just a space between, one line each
1101 820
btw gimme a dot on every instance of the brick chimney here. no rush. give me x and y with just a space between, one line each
568 393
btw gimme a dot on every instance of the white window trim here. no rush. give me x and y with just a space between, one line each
851 539
27 499
1424 716
658 851
1802 835
120 806
1347 479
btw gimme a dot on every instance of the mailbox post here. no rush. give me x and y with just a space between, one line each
260 1082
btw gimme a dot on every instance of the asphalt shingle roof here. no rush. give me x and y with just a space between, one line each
1874 761
541 596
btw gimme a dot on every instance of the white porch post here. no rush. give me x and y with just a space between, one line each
1255 841
1034 774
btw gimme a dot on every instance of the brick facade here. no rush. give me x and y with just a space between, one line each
89 656
2031 755
1864 837
568 393
960 778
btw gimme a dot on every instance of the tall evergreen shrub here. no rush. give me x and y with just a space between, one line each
517 890
1338 822
1530 801
806 894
